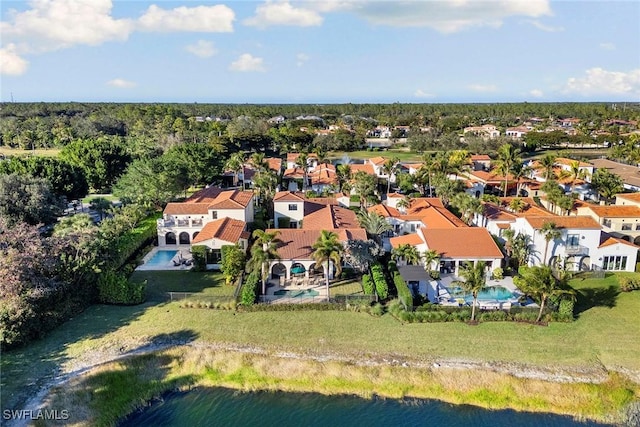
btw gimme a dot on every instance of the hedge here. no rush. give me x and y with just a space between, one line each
382 288
249 290
124 246
404 293
115 288
367 284
199 256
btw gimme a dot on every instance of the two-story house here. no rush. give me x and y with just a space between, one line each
621 221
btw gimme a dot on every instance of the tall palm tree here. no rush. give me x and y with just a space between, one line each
235 163
547 162
374 224
576 173
343 173
468 206
257 160
474 280
428 165
264 250
508 235
328 249
403 204
550 232
303 162
506 162
406 252
539 282
517 204
430 257
389 168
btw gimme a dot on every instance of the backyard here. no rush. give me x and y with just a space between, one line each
602 338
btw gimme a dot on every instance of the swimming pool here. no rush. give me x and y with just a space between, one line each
499 293
161 258
305 293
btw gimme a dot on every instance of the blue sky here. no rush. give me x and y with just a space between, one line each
330 51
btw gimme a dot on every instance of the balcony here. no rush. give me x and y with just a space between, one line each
576 250
165 222
182 223
196 223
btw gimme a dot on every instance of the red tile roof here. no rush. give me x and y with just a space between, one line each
206 195
480 157
377 160
614 241
408 239
225 229
634 197
298 243
232 199
274 163
581 222
293 173
330 217
385 211
367 168
186 209
288 196
616 211
324 174
462 243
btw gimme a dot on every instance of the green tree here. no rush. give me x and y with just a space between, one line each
508 158
374 224
365 186
517 204
328 249
263 251
103 160
24 198
540 283
547 163
235 164
100 205
232 264
407 253
468 206
607 184
550 232
389 168
430 257
343 173
474 279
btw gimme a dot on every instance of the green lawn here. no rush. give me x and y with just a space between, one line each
161 282
49 152
109 197
348 287
403 155
606 333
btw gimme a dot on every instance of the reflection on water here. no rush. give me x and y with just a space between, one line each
224 407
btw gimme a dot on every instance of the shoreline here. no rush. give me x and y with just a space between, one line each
250 368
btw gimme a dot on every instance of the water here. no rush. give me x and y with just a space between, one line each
161 258
490 293
223 407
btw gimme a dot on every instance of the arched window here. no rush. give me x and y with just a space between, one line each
184 238
170 238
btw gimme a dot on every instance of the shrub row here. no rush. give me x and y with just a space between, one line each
124 246
249 290
404 293
431 313
216 305
367 284
382 288
323 306
629 283
114 288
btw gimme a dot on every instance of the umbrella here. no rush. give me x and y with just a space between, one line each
297 270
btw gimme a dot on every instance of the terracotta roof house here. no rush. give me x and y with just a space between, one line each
617 220
221 232
625 199
455 246
323 177
182 222
630 174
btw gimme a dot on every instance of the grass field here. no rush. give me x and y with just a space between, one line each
605 336
403 155
50 152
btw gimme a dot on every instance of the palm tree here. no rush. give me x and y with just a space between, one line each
506 162
343 173
522 245
374 224
539 282
474 280
517 205
403 204
520 171
508 236
429 257
303 161
389 168
550 232
547 162
468 206
429 164
258 162
327 249
365 186
406 252
235 163
576 173
264 250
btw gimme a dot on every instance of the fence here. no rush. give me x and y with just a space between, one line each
179 296
339 299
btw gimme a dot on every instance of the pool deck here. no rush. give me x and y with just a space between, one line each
182 251
446 282
274 285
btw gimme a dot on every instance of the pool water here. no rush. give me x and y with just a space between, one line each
297 294
161 258
499 293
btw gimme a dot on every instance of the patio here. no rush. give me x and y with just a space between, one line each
440 291
296 290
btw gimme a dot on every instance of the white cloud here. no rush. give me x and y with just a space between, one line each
247 62
11 63
544 27
301 58
202 48
607 46
422 94
121 83
56 24
448 16
597 81
483 88
282 13
205 19
536 93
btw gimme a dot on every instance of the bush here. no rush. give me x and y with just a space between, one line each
249 290
367 284
434 274
382 288
498 273
115 288
565 310
629 283
376 310
404 293
199 255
